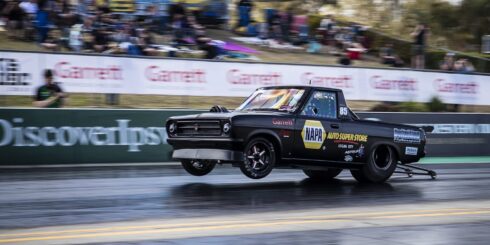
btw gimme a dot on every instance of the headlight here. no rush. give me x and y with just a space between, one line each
172 128
227 128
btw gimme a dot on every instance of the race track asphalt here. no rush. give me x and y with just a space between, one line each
164 205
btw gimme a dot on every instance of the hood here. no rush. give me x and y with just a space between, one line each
227 115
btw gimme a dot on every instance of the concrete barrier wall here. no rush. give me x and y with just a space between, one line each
59 136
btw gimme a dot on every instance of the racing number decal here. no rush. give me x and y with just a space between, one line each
344 111
313 134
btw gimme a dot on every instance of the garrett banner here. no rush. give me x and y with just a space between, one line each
20 74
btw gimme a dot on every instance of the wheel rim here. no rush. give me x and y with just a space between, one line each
258 156
199 164
382 158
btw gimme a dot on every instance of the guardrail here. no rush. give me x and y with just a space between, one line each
62 136
20 74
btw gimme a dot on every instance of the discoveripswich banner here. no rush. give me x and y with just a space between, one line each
58 136
21 73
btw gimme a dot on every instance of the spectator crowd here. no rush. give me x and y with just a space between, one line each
92 26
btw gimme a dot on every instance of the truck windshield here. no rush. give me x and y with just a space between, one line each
273 99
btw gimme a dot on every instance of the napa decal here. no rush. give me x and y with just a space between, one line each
313 134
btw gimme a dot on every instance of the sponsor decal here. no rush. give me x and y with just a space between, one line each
313 134
444 86
64 69
402 135
345 137
10 73
403 84
12 134
282 122
412 151
348 158
357 152
234 76
458 128
156 74
327 81
345 146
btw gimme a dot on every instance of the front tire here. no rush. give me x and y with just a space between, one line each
380 166
322 175
198 167
259 158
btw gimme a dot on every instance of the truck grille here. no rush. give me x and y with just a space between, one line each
199 128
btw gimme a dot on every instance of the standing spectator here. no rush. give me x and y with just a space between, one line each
420 35
43 23
50 94
244 8
286 24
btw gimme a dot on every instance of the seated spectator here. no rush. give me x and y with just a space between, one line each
100 40
14 16
204 43
88 42
63 16
145 43
448 63
345 60
387 54
30 8
52 42
75 39
463 66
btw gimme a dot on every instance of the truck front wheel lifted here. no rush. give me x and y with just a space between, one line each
259 158
198 167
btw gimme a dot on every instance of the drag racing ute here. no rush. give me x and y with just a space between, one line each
302 127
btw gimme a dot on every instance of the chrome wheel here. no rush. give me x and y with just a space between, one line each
259 158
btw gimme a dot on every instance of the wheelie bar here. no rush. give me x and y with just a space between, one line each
411 170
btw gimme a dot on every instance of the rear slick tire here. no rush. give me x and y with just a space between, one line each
380 166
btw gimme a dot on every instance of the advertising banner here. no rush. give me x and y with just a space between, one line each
59 136
21 73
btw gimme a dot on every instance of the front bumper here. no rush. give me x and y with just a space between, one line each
205 148
209 154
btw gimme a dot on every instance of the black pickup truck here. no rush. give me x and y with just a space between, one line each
303 127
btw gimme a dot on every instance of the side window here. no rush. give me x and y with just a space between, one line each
321 104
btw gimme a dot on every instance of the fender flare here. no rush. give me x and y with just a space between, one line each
267 132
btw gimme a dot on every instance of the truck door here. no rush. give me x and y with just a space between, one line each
316 121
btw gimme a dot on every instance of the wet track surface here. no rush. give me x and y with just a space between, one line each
43 197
